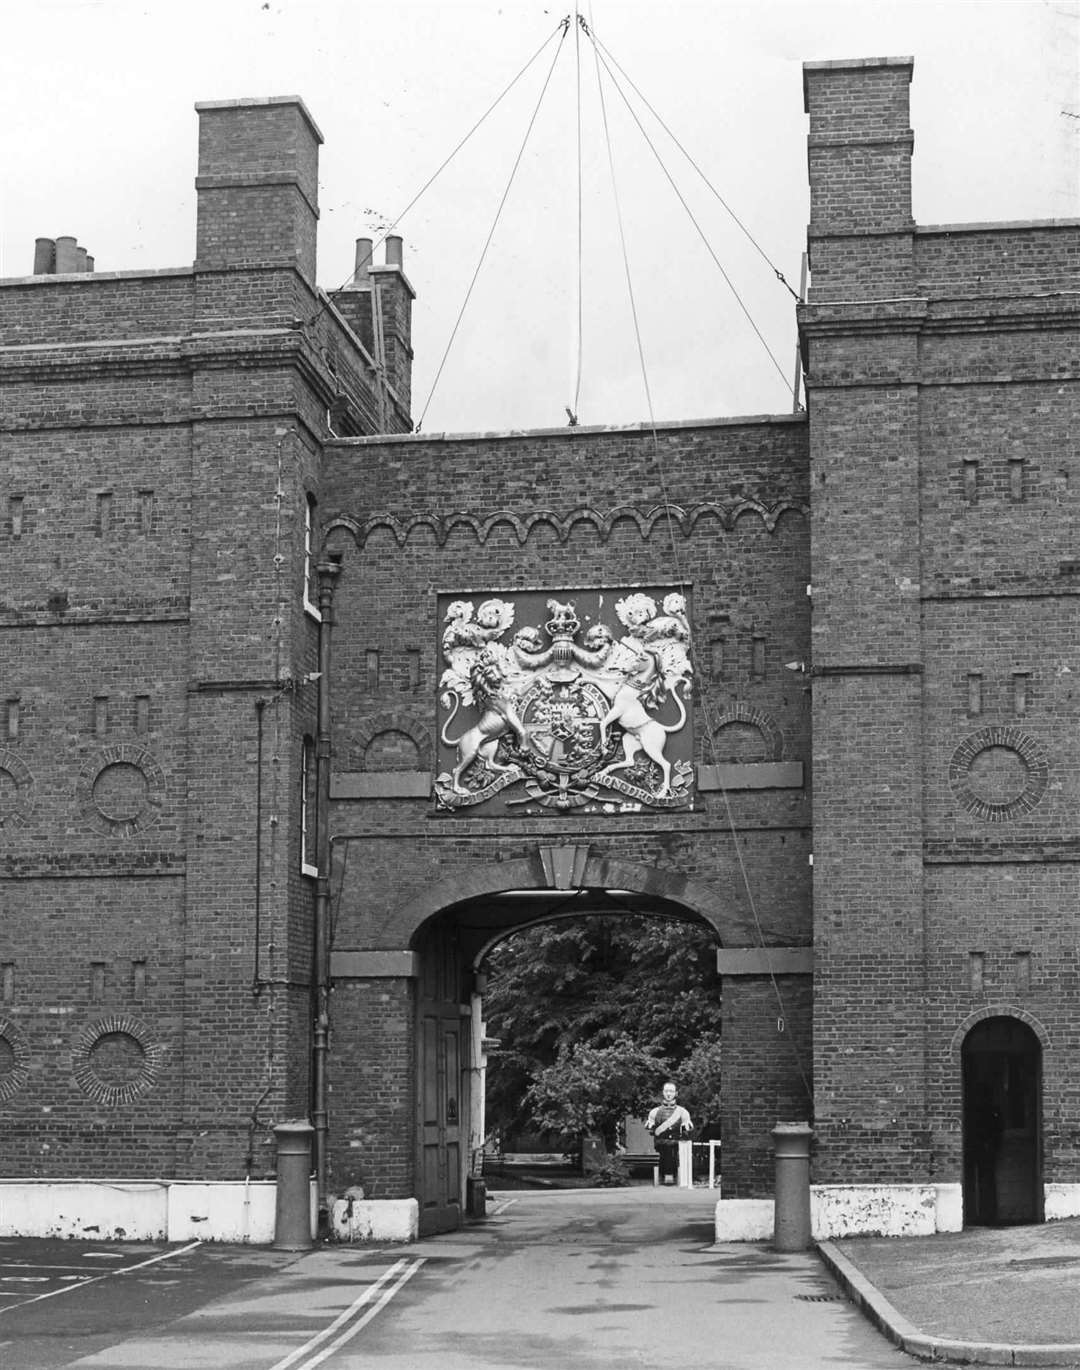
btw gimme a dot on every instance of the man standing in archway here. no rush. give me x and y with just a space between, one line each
669 1124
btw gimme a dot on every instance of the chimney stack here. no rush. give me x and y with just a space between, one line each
257 184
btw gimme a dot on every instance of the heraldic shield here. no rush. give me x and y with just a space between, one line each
565 700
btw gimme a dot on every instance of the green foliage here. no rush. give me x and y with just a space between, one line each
612 1175
592 1088
601 982
699 1086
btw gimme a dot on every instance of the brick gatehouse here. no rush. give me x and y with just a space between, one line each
302 711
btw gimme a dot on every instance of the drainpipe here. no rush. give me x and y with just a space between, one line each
328 570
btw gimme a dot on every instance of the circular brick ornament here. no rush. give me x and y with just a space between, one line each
116 1060
121 790
16 790
14 1060
999 774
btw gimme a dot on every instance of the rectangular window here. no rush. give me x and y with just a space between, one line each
142 713
971 480
11 723
310 590
97 980
15 515
1016 479
146 511
757 657
7 981
103 521
1020 681
101 715
308 853
138 979
1023 972
974 694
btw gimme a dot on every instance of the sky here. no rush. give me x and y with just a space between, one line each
688 321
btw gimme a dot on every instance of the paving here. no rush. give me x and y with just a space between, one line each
987 1296
583 1279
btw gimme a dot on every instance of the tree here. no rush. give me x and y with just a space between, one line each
599 982
591 1089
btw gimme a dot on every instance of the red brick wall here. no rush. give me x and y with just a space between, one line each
418 517
942 481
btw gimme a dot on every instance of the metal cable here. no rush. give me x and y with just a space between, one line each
683 585
572 408
449 158
494 225
735 218
690 214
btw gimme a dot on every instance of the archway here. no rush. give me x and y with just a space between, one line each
1001 1064
452 946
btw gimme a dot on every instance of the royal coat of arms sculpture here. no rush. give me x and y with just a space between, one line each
565 711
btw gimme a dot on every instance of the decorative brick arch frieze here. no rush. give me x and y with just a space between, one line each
521 525
764 723
392 722
15 1062
998 1011
726 915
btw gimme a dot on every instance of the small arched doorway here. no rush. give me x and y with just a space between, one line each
1001 1063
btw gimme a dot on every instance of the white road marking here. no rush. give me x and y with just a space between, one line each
105 1275
161 1256
403 1270
33 1265
502 1206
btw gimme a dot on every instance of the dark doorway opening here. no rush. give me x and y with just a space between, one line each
1002 1121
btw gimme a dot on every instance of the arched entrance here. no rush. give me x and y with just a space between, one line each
451 946
1001 1063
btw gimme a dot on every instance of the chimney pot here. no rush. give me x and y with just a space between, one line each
67 259
44 256
80 259
89 262
363 260
393 251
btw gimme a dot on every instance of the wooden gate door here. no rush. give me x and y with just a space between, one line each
443 1112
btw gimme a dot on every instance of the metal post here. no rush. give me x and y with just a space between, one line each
292 1211
791 1142
329 570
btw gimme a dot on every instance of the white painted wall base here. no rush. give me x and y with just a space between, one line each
744 1220
851 1211
375 1220
140 1210
1061 1201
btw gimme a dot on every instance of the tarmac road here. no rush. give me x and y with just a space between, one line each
574 1279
